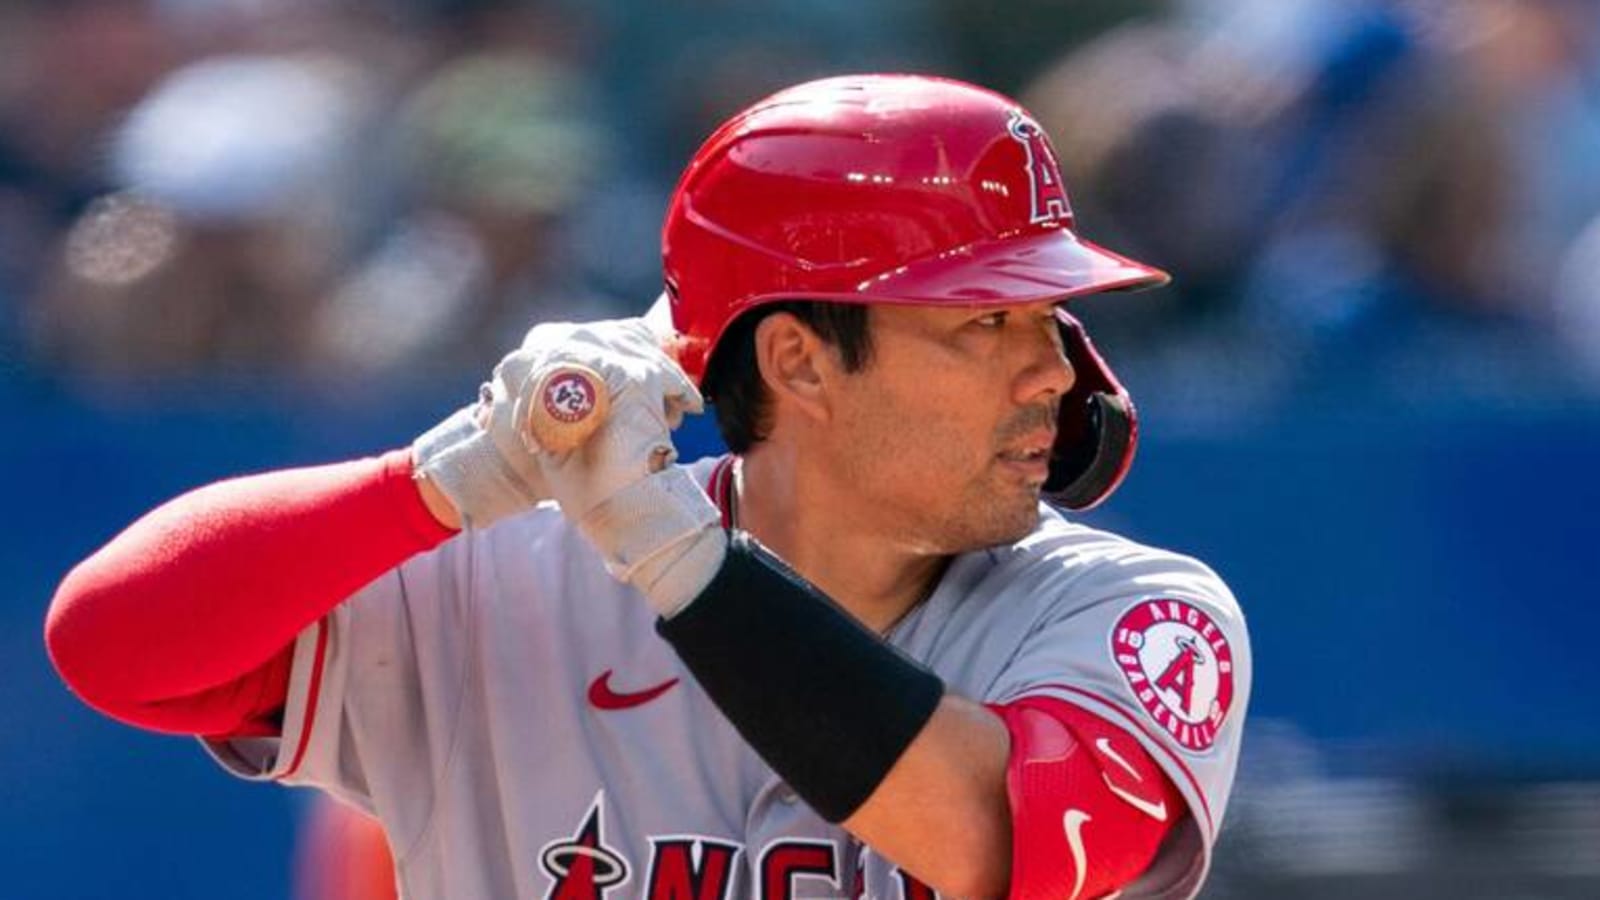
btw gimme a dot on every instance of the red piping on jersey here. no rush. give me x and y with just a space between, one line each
1205 806
719 488
312 690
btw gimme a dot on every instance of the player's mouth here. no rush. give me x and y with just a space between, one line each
1030 459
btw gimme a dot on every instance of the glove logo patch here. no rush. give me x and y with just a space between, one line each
569 396
1179 665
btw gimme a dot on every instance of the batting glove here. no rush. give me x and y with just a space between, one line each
482 458
652 523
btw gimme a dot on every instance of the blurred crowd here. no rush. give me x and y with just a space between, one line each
1371 202
1364 201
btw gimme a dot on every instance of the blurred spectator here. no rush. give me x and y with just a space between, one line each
499 147
1577 302
1003 46
409 183
1409 221
234 214
681 68
1152 133
1158 137
1536 66
1388 171
1343 191
68 70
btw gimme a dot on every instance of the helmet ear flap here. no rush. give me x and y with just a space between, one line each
1097 428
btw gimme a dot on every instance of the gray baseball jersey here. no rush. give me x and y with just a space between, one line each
508 712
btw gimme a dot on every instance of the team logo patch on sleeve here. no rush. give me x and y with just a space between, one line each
1179 664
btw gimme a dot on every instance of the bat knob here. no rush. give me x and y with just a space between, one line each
570 402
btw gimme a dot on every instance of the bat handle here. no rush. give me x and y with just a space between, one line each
569 403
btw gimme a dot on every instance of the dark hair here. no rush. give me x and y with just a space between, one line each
733 380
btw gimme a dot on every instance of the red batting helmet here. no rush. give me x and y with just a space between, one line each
898 189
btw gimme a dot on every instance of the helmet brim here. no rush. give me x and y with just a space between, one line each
1052 265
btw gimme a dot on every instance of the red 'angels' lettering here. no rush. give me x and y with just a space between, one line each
674 875
687 867
784 861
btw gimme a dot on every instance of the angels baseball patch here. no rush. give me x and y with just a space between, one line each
1180 667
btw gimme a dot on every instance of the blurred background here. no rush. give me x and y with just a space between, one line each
243 234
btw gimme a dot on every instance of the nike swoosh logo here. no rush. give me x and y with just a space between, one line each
601 695
1157 810
1104 746
1072 823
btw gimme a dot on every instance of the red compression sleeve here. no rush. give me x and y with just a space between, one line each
184 621
1089 806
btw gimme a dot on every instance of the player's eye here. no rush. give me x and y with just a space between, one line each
994 319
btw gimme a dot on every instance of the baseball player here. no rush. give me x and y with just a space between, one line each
856 657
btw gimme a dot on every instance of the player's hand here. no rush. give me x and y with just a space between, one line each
482 458
478 460
648 397
651 522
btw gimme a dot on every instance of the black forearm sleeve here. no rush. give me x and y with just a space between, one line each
826 703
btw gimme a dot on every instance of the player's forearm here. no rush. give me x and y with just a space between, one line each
215 583
860 732
941 812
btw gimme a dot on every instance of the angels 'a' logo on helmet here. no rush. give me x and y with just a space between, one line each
1047 195
1179 664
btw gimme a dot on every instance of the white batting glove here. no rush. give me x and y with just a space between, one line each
654 526
479 457
482 457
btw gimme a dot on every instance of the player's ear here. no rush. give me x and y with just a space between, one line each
794 363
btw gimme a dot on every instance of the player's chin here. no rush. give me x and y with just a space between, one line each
1021 518
1009 512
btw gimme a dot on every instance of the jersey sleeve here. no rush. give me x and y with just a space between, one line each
376 690
1154 644
396 697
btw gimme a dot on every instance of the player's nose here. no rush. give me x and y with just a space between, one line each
1049 373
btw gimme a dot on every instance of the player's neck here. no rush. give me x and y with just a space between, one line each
864 572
